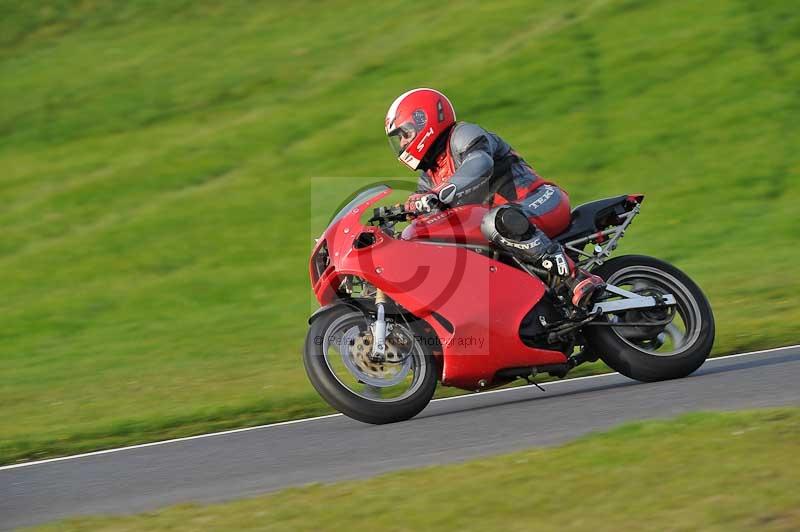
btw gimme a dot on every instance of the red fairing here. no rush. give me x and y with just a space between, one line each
463 224
460 224
484 300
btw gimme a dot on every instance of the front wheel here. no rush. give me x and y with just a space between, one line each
666 343
338 363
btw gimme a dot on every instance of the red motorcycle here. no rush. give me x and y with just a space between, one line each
437 302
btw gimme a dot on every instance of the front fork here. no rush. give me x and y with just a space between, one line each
379 327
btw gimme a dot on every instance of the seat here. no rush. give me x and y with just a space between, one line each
593 217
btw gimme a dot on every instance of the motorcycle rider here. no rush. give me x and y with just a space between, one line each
461 163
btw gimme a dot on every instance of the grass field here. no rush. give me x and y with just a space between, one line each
156 158
716 472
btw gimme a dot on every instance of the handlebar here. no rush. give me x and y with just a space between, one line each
398 213
391 213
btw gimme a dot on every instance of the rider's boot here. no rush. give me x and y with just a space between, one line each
581 286
508 228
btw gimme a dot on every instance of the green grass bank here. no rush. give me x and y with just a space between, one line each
156 161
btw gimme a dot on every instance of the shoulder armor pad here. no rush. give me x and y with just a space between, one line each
464 136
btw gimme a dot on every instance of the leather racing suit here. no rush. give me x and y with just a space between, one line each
468 165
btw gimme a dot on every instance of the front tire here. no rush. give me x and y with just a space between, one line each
335 362
658 352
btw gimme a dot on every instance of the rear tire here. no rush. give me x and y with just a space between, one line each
636 357
348 401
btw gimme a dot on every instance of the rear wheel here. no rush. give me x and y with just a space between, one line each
337 361
673 341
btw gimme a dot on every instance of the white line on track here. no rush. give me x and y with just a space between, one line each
306 420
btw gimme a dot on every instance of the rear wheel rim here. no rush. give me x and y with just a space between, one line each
673 339
345 346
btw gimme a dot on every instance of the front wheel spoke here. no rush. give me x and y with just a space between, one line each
339 348
347 350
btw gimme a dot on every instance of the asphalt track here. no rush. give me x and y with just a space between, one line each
245 462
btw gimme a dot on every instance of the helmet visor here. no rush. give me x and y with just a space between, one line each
400 137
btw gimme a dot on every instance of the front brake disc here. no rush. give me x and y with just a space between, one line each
356 347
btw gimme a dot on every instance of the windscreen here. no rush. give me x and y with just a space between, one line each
358 199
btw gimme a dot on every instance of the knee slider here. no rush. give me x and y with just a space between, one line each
512 223
509 222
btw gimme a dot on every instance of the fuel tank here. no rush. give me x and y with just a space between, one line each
459 224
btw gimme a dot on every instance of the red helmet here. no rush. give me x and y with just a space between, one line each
414 122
